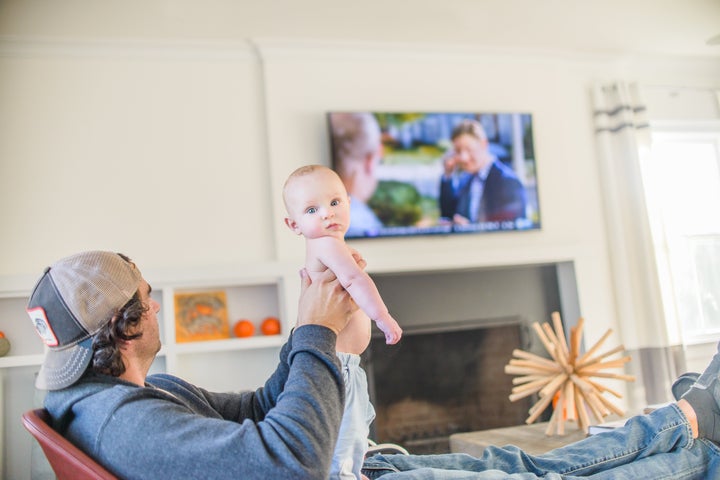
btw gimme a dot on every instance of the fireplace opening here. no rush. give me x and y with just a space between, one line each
444 379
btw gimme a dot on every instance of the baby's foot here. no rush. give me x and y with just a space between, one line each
704 397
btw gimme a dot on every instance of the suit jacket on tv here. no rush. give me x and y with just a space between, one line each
503 196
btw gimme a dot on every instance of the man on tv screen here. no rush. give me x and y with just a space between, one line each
475 187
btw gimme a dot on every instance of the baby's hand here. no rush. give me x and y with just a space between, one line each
390 328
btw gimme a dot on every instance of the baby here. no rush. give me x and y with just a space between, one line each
318 208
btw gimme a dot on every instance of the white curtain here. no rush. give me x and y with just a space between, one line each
623 136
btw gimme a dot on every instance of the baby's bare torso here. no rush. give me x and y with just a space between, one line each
355 337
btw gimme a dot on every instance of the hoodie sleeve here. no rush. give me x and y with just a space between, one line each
147 436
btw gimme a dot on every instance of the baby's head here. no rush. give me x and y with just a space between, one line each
316 202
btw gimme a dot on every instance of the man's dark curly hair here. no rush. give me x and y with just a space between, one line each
107 341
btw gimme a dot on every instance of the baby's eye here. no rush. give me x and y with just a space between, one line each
335 203
311 210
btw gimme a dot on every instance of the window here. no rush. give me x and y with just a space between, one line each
682 182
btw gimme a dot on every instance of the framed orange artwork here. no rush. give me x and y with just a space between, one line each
201 316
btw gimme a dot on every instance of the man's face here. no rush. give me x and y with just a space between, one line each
149 342
470 153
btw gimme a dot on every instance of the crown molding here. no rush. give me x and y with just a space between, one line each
160 49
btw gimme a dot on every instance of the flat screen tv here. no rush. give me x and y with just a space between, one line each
407 174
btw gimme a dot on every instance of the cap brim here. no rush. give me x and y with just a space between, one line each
63 367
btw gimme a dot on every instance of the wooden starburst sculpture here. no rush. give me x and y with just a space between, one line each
568 377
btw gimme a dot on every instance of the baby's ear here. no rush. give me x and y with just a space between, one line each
292 225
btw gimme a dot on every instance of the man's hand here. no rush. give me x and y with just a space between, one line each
460 220
324 302
450 163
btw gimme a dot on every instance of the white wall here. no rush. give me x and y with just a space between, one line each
175 152
156 150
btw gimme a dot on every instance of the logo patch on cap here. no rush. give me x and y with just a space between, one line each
42 326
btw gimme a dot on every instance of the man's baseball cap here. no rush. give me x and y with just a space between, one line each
74 298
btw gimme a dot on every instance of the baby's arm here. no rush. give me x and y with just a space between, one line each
339 258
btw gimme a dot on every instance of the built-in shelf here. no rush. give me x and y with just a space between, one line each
21 360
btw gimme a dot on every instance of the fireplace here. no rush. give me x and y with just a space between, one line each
443 380
460 328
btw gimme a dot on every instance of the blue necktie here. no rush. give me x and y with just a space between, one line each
476 191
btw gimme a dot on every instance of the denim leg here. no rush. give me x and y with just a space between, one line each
700 461
664 435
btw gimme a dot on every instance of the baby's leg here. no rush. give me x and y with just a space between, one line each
352 442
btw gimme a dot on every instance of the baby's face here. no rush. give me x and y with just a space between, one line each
319 205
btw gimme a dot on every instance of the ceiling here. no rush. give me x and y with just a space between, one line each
661 27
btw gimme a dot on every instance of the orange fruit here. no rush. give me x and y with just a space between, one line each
270 326
244 328
204 309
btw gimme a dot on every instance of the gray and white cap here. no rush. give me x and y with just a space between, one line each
74 298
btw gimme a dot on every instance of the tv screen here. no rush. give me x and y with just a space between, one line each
423 173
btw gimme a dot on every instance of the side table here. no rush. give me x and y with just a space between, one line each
530 438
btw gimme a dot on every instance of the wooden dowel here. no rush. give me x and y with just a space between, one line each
603 365
619 376
597 358
552 423
536 358
610 406
546 343
514 370
572 357
560 410
527 378
560 332
583 420
535 386
580 325
592 404
570 400
526 390
539 366
595 347
560 354
514 397
554 385
581 383
604 388
538 408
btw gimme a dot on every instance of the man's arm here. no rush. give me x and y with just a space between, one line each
151 434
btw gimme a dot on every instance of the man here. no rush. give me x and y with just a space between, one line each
94 312
357 151
475 187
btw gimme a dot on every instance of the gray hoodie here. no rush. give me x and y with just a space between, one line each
172 429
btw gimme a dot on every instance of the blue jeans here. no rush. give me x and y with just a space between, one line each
654 446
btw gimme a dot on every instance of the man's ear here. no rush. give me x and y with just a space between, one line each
369 161
292 225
